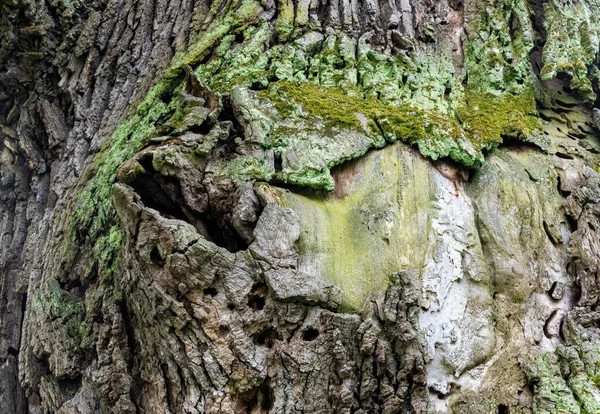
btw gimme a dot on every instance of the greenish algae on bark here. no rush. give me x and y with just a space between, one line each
379 205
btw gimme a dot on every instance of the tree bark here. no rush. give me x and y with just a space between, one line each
198 216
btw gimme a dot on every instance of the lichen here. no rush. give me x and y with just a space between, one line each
239 63
324 87
552 394
106 251
94 218
566 380
284 26
326 98
222 23
572 43
497 55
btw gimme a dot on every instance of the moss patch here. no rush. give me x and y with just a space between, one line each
70 313
480 122
487 118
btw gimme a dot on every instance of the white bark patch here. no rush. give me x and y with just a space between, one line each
457 317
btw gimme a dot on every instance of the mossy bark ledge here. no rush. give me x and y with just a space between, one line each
299 206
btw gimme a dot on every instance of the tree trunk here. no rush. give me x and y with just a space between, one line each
299 206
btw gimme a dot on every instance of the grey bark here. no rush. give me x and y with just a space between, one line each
68 73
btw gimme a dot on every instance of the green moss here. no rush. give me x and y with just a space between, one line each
336 108
326 85
70 313
481 120
106 251
489 118
340 111
335 98
396 99
94 219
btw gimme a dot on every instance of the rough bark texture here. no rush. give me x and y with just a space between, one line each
299 206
